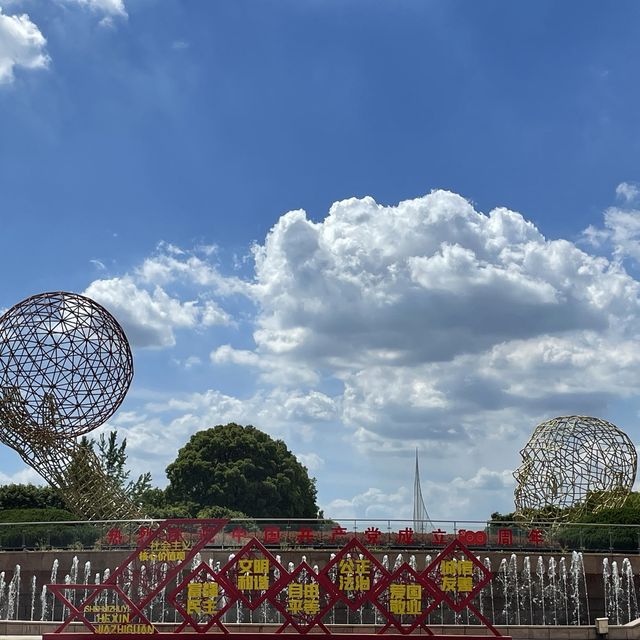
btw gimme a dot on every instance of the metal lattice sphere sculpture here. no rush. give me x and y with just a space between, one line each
65 367
68 361
574 461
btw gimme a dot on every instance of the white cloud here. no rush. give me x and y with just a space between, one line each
171 264
482 493
275 409
272 370
372 503
312 461
425 311
21 45
26 475
486 480
627 191
108 7
98 264
173 289
150 318
192 361
444 500
621 228
419 282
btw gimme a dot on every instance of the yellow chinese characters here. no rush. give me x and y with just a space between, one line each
253 574
303 598
202 597
456 575
164 551
405 598
354 575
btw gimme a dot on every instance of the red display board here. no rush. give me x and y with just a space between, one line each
166 570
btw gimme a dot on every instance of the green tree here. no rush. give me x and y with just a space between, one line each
31 536
113 460
241 469
573 527
29 496
155 504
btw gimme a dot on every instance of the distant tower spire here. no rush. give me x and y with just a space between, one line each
421 520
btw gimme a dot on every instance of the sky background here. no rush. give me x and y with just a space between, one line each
364 227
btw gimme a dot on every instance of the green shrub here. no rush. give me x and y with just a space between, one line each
30 535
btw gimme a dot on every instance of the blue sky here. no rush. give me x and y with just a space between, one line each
478 275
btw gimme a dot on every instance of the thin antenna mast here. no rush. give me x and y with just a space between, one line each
421 520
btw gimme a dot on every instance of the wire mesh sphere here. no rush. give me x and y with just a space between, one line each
575 461
65 364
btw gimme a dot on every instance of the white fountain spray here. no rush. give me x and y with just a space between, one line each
65 609
52 580
540 574
86 578
3 596
43 603
631 600
73 576
503 577
615 592
564 588
578 588
606 586
527 587
513 575
487 564
553 589
105 593
33 597
13 599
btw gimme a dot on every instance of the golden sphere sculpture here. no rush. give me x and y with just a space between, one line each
574 461
65 367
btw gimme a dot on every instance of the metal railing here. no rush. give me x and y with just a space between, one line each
306 533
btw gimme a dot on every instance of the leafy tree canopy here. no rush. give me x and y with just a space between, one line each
43 535
590 511
49 514
113 460
29 496
572 535
241 469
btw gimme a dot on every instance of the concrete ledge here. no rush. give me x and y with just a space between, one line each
26 630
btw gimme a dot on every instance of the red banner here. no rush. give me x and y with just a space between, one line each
167 568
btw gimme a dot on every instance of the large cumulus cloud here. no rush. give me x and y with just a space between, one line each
424 281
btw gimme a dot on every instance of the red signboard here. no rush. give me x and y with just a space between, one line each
201 599
167 567
251 574
354 572
459 577
303 598
406 598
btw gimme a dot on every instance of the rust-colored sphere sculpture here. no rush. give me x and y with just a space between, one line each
65 362
574 461
65 367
